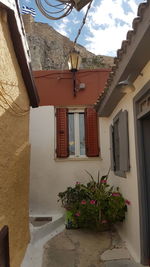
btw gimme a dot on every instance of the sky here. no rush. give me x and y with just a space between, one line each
106 26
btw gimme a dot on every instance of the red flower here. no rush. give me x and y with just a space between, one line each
103 181
77 214
116 194
83 202
127 202
92 202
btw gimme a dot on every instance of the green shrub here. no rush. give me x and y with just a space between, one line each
93 204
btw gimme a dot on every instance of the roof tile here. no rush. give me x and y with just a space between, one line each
124 47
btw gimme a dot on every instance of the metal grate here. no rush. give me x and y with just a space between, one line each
40 221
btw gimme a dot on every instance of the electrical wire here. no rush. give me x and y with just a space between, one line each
66 73
67 6
83 22
23 110
66 10
7 101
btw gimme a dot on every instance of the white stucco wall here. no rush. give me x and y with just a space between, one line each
129 231
48 176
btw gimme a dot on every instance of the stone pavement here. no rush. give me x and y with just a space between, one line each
83 248
121 263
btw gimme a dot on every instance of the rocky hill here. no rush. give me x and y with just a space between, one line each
49 49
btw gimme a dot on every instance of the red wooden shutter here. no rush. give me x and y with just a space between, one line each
91 132
62 132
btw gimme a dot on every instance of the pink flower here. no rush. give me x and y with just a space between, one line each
127 202
77 182
116 194
103 181
104 221
83 202
77 214
92 202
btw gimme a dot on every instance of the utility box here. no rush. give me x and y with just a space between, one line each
79 4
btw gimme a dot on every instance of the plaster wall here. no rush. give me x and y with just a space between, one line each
52 176
14 147
49 176
129 231
55 87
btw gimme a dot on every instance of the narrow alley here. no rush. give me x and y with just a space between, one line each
74 133
83 248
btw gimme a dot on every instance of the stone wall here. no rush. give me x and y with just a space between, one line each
49 49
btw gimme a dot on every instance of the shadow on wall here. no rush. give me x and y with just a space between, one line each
15 150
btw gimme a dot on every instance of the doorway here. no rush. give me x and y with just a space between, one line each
142 133
145 142
4 247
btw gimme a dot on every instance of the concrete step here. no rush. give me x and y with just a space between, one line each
39 232
39 236
122 263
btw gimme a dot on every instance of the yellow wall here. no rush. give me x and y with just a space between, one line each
14 147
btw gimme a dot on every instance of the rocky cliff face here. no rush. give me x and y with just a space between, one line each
49 49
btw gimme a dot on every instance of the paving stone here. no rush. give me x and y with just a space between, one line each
83 248
116 240
121 263
60 257
76 248
115 254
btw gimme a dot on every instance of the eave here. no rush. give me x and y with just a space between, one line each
19 49
131 59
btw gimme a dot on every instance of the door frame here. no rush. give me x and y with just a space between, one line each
144 225
4 239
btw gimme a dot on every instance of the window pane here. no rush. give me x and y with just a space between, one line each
82 133
71 134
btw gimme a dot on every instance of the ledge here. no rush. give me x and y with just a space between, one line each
78 159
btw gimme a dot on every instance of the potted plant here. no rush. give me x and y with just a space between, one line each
95 205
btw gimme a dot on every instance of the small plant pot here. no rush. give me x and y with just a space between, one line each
72 223
69 220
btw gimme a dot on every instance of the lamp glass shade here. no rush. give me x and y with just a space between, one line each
74 61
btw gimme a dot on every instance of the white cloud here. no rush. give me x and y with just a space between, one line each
108 24
76 21
63 27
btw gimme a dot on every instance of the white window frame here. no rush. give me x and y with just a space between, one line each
77 132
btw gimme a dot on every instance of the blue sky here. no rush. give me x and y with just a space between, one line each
106 26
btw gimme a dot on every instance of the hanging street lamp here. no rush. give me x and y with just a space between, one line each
74 61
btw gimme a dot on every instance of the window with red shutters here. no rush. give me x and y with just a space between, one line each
77 133
91 132
62 132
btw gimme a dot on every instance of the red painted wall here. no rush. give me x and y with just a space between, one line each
55 87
